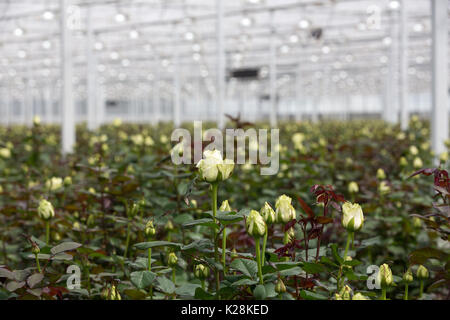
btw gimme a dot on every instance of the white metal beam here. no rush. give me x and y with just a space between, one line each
273 73
91 72
220 86
440 101
404 90
67 106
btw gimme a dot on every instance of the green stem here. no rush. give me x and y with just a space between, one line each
203 285
173 276
149 259
37 263
421 289
224 248
406 292
127 243
349 237
258 260
285 242
264 248
383 293
47 232
216 250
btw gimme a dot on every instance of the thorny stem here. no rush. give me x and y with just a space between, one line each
264 247
149 259
349 236
214 187
421 289
258 259
47 232
406 292
383 293
37 263
127 243
224 248
285 242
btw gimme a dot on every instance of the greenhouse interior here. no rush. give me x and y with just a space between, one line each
224 150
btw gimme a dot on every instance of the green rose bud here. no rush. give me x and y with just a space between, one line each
285 212
380 174
111 293
385 278
359 296
201 271
225 207
35 249
45 210
150 230
280 287
345 293
422 273
408 276
256 227
353 217
169 226
268 214
353 187
172 260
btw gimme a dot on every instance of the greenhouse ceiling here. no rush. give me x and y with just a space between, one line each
348 40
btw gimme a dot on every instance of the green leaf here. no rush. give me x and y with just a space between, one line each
336 256
6 274
206 222
65 246
152 244
14 285
165 285
260 292
247 267
313 268
142 279
187 289
420 256
244 282
309 295
199 245
34 279
203 295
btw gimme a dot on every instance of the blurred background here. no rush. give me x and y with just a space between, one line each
71 61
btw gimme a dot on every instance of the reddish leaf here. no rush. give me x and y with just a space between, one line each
305 207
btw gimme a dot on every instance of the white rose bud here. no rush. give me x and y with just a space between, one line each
45 210
285 212
213 168
256 227
353 217
353 187
422 273
385 278
268 213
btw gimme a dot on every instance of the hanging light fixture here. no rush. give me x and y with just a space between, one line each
120 17
387 41
99 46
246 21
48 15
134 34
394 5
114 55
46 44
22 54
293 38
304 24
189 36
18 32
326 49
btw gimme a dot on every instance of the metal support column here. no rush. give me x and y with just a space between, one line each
273 72
404 56
68 114
220 86
440 101
91 72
